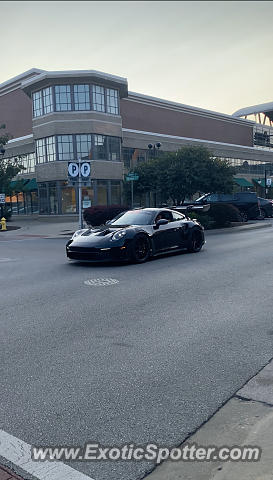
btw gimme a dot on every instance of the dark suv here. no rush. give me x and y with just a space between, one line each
249 205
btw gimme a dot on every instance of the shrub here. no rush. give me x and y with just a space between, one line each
6 213
99 214
218 216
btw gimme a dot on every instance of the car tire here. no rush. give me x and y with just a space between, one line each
196 241
140 250
244 216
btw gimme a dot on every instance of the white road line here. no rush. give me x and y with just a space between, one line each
19 453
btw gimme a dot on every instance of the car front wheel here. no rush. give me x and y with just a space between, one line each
196 242
140 249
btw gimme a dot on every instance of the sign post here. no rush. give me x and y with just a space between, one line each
78 175
132 177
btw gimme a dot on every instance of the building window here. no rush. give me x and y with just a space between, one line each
84 146
65 147
114 149
100 147
63 98
37 104
102 192
81 97
47 100
112 101
115 193
51 149
98 98
40 150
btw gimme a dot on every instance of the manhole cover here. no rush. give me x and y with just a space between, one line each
101 282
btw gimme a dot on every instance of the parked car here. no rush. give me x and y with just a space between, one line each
247 203
266 207
136 235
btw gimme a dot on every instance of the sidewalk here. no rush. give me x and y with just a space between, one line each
245 420
64 227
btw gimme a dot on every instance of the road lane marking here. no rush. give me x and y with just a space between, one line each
101 282
6 259
19 454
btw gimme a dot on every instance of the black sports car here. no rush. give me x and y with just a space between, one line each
136 235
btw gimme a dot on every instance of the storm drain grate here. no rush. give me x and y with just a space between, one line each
101 282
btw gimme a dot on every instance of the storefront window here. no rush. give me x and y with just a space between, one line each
68 200
53 200
102 192
43 200
115 193
87 197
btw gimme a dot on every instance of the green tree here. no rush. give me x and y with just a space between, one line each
8 168
181 174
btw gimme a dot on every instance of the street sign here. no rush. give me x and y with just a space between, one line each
131 177
73 169
2 198
268 182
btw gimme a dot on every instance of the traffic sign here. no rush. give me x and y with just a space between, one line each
85 169
2 198
268 182
73 169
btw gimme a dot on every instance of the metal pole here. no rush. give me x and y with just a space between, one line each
132 193
80 195
265 183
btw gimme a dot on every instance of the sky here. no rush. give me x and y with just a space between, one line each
214 55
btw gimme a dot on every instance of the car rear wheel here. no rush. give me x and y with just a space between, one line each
196 242
140 249
244 216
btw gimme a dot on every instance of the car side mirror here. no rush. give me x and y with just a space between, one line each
162 221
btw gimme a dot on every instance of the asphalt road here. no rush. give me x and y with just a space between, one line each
145 360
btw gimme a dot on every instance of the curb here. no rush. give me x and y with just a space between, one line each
243 228
7 474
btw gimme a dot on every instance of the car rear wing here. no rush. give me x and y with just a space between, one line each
191 208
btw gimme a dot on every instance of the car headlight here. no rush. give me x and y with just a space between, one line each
77 233
119 235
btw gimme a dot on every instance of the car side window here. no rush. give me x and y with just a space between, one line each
226 197
214 197
177 216
166 215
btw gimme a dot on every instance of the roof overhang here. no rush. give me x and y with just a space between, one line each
266 108
76 76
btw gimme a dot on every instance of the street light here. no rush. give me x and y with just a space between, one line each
154 148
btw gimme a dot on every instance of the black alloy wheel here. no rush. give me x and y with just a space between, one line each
196 242
140 249
244 216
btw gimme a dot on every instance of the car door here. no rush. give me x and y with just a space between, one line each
165 236
180 227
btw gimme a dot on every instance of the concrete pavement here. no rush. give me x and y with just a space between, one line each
170 350
245 420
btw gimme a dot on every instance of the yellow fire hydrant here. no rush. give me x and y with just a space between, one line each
3 223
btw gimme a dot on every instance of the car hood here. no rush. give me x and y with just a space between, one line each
99 235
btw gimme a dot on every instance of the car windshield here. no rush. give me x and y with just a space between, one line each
133 217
